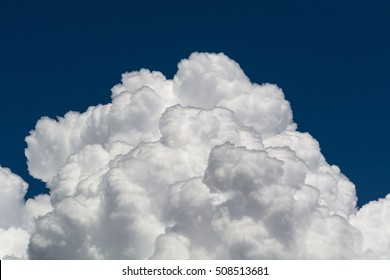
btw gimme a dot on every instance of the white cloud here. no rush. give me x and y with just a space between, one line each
372 220
13 243
17 217
206 165
13 189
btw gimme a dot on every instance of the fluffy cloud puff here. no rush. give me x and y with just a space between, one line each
207 165
17 217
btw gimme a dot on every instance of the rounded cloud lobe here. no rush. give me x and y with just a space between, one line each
17 217
207 165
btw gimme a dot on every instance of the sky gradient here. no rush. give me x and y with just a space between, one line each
330 58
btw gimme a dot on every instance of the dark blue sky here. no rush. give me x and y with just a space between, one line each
331 58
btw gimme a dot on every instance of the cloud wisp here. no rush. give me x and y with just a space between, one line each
207 165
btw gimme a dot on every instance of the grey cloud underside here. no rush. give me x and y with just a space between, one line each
204 166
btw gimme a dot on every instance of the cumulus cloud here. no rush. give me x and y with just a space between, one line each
17 217
207 165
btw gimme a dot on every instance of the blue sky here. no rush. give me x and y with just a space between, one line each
330 58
